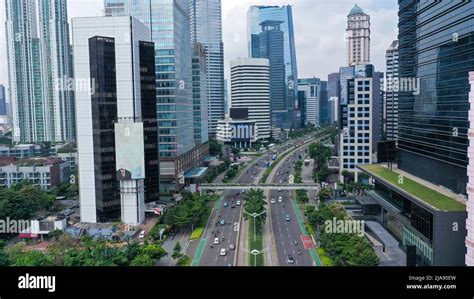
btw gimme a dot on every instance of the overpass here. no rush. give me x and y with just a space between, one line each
270 186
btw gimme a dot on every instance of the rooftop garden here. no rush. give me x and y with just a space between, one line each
421 192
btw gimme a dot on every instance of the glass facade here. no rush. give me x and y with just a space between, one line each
206 28
169 23
256 16
436 46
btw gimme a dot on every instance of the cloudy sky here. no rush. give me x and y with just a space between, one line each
319 30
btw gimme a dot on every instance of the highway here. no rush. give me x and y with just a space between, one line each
286 233
211 255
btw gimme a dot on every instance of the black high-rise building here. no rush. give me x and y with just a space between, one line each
436 46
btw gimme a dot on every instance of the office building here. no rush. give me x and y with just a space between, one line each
169 22
391 92
310 89
358 37
334 110
378 96
356 142
117 122
283 14
324 103
3 101
237 130
420 214
206 28
199 77
271 41
434 86
250 88
470 185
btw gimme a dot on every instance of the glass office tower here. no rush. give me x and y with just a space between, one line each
436 42
169 22
206 28
255 17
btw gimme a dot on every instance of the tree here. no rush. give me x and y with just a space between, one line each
143 261
215 149
255 205
3 256
32 258
177 251
324 194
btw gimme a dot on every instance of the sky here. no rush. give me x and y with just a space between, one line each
319 31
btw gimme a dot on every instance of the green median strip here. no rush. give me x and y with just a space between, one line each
312 251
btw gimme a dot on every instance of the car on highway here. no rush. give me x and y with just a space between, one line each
223 252
287 217
226 204
290 259
233 206
232 246
279 189
216 241
272 201
280 199
222 222
238 202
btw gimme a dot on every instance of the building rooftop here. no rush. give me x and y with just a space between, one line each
416 188
195 172
356 10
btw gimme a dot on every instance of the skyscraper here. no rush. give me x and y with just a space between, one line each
170 27
3 101
24 71
255 17
56 58
117 122
434 86
39 71
250 88
311 89
201 124
271 41
391 93
324 116
206 28
358 37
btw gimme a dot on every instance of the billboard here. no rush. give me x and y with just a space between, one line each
129 151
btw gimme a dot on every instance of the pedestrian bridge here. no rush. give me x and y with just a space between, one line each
305 186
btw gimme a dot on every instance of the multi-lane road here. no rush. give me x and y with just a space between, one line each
288 236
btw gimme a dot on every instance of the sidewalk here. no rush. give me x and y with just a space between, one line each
170 243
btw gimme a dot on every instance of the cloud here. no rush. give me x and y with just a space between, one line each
319 31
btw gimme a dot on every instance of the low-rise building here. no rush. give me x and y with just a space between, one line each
22 151
44 173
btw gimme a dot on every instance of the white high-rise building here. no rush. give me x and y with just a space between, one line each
358 37
470 184
311 88
391 93
117 129
206 28
334 109
356 139
250 88
40 71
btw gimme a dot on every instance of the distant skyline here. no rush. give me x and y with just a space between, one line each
319 31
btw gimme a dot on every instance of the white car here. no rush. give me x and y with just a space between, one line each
272 201
280 199
223 252
142 234
216 241
238 203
